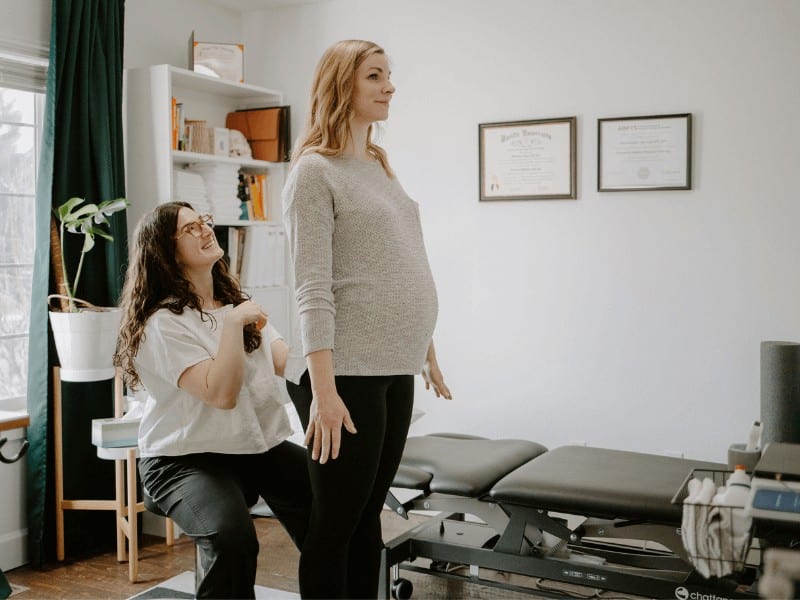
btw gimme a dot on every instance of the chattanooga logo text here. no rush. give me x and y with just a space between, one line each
681 593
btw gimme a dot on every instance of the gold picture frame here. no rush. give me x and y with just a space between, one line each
224 61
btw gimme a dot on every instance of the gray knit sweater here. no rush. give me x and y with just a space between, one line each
362 279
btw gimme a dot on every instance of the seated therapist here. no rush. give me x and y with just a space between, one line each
213 435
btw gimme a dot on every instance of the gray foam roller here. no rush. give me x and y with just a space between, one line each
780 392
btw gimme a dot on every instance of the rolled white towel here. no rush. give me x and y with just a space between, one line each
718 540
702 507
689 512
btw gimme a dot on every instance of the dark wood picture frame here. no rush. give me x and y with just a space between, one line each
524 160
644 153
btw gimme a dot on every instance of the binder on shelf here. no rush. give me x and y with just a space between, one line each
266 129
263 257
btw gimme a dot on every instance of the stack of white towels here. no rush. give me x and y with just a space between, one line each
222 185
715 529
190 187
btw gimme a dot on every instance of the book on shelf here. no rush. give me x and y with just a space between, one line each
178 125
234 248
265 197
260 196
232 243
174 123
197 136
181 127
255 196
247 211
263 257
240 240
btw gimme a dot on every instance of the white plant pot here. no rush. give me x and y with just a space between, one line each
85 342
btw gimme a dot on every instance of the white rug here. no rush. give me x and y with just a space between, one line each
182 586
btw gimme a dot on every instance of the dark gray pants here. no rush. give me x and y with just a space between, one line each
209 497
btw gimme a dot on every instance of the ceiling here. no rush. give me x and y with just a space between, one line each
248 5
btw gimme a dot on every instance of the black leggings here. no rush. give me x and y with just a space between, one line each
341 554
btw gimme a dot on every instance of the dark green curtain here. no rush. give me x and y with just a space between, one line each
82 155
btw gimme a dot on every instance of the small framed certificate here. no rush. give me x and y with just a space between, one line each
225 61
528 160
644 153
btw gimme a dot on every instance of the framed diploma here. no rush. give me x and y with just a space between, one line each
225 61
644 153
528 160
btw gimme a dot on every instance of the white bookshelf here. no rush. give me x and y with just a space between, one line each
180 157
150 159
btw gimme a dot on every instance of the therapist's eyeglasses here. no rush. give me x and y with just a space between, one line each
195 228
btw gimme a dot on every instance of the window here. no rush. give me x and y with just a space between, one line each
23 74
20 125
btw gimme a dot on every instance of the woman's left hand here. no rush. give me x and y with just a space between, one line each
433 377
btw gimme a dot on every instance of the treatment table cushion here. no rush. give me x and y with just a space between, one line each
411 478
465 466
600 482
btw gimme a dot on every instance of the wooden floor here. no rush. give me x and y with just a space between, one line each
102 577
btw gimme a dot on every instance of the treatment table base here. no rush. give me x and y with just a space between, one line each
455 542
592 517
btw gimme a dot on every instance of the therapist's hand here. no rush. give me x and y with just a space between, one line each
327 416
247 312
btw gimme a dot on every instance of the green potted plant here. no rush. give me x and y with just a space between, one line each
85 334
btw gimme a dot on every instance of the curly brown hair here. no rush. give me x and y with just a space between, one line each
155 280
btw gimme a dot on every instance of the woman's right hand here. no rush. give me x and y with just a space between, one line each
248 312
327 416
218 380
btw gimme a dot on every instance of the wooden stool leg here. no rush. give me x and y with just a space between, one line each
133 519
119 481
59 463
119 476
170 531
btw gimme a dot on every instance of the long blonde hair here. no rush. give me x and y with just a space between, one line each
328 124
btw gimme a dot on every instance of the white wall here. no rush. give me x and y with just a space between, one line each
27 21
628 320
157 31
